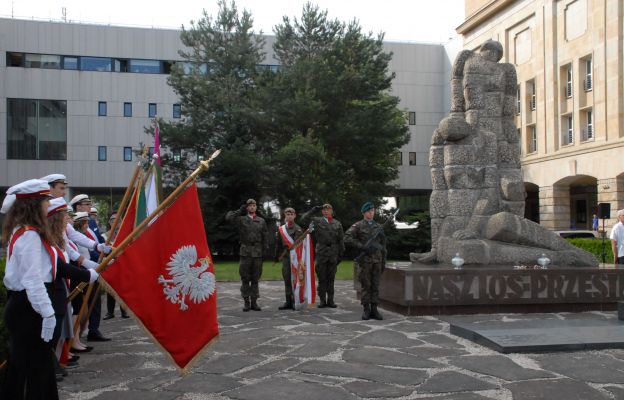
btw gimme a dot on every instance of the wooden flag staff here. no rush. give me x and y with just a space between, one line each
203 166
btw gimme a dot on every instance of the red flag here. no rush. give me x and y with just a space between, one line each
127 223
166 278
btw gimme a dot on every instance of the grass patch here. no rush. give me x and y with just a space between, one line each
227 271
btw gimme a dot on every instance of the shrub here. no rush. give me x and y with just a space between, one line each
594 246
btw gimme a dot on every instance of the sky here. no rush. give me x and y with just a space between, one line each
401 20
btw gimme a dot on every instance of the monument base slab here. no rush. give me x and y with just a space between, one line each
422 289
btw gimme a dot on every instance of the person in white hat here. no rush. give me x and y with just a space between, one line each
617 239
58 184
29 315
57 220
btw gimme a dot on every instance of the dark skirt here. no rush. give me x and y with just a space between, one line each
30 370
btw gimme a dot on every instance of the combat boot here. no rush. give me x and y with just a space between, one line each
323 302
247 306
254 305
367 312
330 301
288 305
374 314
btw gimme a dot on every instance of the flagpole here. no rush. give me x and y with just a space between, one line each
122 209
203 166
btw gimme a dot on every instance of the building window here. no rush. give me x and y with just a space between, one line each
588 130
532 139
177 111
588 84
102 109
70 63
100 64
36 129
518 102
411 118
568 88
398 156
101 153
533 98
177 155
127 153
152 110
121 65
146 66
568 133
150 154
127 109
42 61
412 158
14 59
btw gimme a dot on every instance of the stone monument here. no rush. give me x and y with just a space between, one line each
477 203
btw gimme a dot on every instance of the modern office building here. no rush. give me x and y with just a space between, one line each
570 100
75 99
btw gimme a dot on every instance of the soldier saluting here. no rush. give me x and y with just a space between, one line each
252 232
329 238
289 233
366 236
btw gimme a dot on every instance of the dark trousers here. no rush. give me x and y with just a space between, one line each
96 314
288 289
326 273
30 371
620 260
250 271
369 275
110 305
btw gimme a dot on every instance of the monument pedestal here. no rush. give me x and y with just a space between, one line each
423 289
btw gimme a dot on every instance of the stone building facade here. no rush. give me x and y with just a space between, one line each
570 100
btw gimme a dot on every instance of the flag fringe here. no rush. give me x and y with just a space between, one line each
192 361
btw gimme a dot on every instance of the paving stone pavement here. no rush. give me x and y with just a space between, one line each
331 354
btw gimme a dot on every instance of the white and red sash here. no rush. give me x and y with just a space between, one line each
301 269
51 252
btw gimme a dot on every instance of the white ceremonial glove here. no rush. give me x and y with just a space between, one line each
102 248
88 264
47 328
94 276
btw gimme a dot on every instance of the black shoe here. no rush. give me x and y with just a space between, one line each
330 301
287 306
97 337
374 314
322 302
124 315
59 378
247 305
74 358
367 312
254 306
71 365
88 349
108 316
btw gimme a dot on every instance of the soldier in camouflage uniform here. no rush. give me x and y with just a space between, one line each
328 236
294 231
371 265
252 232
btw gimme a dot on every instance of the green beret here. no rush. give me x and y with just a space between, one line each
367 206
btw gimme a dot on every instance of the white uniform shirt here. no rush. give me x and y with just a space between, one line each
617 234
27 269
80 239
69 249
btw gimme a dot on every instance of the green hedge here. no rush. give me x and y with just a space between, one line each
4 335
594 246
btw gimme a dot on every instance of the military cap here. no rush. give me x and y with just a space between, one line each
30 188
367 206
93 210
79 199
327 205
54 178
250 201
7 203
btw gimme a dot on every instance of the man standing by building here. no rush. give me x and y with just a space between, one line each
252 231
366 236
289 233
329 238
617 239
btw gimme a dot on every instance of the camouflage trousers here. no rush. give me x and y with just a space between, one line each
250 271
288 291
326 273
369 275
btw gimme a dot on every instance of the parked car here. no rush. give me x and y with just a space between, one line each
578 234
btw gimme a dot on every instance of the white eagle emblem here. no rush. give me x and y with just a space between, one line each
187 279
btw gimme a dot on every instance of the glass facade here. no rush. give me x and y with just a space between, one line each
146 66
36 129
42 61
96 64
